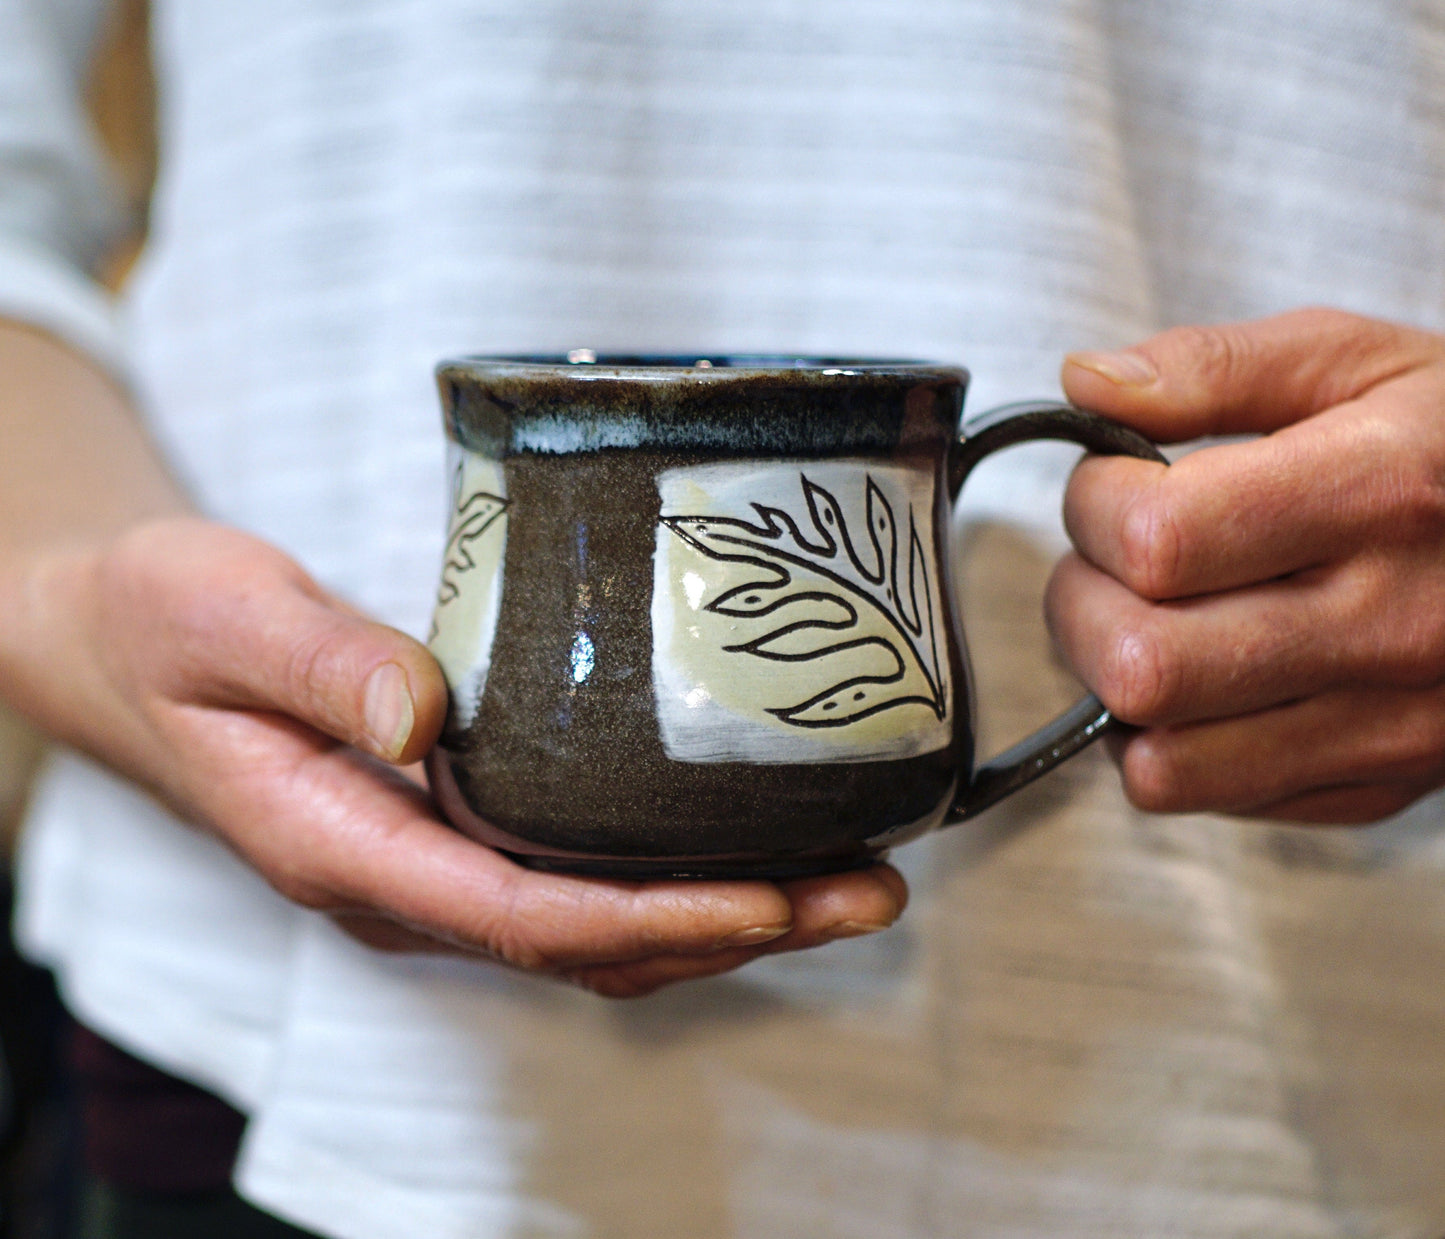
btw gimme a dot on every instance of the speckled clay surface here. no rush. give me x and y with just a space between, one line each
697 617
557 761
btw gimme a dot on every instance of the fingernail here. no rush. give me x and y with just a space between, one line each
390 714
854 929
1125 369
753 937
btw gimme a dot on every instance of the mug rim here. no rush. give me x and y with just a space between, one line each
760 404
706 366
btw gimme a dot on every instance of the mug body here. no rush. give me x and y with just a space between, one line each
696 615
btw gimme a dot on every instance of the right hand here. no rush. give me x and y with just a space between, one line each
208 667
1268 613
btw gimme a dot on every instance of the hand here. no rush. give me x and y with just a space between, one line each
1270 614
208 667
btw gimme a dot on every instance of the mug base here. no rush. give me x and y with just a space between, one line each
834 857
732 868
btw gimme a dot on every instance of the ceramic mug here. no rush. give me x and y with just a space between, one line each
696 614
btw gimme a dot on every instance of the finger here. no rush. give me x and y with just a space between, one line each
1236 514
633 979
1375 622
234 622
382 934
825 909
1343 806
331 834
842 905
1247 377
1159 664
1352 739
642 977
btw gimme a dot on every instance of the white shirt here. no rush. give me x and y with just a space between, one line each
1090 1022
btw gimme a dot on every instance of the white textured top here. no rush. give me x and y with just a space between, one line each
1089 1023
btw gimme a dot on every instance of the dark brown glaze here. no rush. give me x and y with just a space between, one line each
569 765
557 763
731 409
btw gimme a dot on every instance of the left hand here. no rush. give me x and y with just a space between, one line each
1269 614
207 667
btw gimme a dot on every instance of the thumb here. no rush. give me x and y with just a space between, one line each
1241 378
235 623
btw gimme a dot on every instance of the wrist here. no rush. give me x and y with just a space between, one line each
47 662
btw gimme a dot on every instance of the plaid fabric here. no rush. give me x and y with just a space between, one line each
109 1212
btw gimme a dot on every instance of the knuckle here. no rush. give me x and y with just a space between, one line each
296 883
303 663
307 675
512 946
1325 320
1412 763
1415 656
298 868
1216 353
1399 630
616 983
1363 351
1141 678
1412 749
1358 337
1414 507
511 931
1154 781
1150 547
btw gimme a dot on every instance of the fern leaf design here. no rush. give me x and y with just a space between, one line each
471 518
833 598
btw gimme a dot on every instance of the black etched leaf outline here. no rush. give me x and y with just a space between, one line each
810 583
471 517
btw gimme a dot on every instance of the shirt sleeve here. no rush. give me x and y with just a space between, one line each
59 209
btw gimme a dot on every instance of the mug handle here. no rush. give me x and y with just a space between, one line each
1088 719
